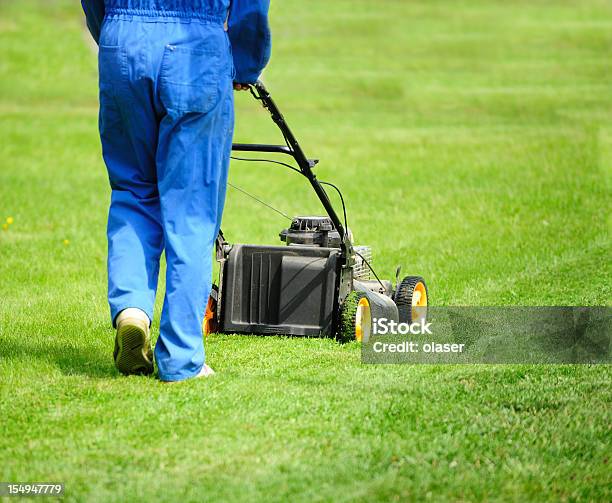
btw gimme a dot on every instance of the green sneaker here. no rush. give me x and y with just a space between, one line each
133 353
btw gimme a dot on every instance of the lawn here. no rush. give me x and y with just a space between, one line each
473 143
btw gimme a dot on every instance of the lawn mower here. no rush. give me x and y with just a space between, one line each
319 283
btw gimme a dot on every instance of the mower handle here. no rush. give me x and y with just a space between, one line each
257 147
293 148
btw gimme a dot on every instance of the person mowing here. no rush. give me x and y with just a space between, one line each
167 72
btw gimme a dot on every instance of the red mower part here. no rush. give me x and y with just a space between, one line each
210 325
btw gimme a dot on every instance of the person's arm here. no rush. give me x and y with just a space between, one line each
94 13
249 34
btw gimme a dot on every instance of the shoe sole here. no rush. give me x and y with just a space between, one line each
133 355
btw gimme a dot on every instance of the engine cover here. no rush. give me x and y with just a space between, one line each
312 231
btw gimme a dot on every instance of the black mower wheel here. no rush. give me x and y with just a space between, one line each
411 299
355 318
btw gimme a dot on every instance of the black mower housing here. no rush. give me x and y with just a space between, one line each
280 290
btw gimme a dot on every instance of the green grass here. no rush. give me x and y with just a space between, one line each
473 142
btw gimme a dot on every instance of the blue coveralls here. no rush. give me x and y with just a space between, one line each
166 125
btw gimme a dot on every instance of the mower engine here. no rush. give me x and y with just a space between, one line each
320 231
312 231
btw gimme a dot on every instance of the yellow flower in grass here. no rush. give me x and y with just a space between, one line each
5 227
9 220
66 242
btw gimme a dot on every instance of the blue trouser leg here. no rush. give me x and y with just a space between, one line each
129 133
192 171
166 128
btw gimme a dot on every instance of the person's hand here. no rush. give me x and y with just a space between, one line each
241 87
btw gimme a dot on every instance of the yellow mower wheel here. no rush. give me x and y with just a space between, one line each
355 318
411 299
